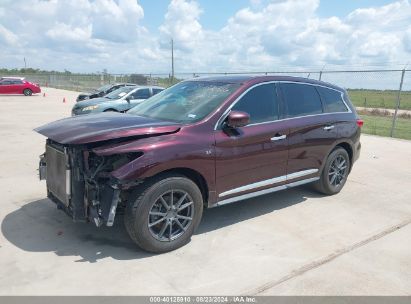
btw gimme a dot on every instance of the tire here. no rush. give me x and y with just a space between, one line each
148 221
110 110
335 172
27 92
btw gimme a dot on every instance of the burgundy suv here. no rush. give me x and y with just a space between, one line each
201 143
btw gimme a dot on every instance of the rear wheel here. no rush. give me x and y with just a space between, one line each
335 172
110 110
27 92
163 214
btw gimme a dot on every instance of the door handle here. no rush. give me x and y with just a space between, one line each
279 137
329 128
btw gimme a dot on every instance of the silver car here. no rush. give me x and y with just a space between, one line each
120 100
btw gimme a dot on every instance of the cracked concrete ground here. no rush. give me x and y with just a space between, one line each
287 243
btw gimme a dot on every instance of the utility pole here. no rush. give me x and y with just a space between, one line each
172 61
397 107
25 64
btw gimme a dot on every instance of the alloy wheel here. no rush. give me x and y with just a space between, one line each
338 171
170 216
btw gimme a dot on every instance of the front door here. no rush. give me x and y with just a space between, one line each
254 157
6 87
17 87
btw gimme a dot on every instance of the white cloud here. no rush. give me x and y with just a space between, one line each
290 33
7 37
86 35
182 24
64 32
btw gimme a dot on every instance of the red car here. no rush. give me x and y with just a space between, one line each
17 85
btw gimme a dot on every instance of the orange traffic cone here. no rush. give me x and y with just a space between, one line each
64 100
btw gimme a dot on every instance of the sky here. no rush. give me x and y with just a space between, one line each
133 36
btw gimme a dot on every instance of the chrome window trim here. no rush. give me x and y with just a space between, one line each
301 173
266 191
270 181
263 183
226 112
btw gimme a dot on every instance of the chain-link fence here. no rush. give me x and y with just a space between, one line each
382 97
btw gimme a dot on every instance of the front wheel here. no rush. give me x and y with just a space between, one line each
27 92
163 214
335 172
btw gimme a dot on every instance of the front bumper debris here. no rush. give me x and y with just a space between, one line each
83 198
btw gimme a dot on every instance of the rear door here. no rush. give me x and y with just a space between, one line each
312 132
254 157
18 87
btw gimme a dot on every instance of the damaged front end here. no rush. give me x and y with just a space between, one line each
80 183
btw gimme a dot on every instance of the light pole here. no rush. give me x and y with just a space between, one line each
172 61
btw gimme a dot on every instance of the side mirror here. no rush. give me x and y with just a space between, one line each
128 98
238 119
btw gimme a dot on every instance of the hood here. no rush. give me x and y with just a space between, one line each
90 95
90 102
82 96
105 126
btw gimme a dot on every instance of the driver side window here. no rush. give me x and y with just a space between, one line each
261 103
141 94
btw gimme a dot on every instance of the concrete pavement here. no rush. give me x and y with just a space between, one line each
290 243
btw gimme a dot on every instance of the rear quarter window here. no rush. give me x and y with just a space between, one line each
300 100
332 100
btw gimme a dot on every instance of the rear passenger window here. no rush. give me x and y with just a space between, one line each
332 100
301 99
260 102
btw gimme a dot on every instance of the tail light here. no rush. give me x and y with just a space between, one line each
360 122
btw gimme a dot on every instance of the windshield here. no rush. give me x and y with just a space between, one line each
117 94
188 101
103 88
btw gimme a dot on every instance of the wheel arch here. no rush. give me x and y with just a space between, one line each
192 175
347 147
110 110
